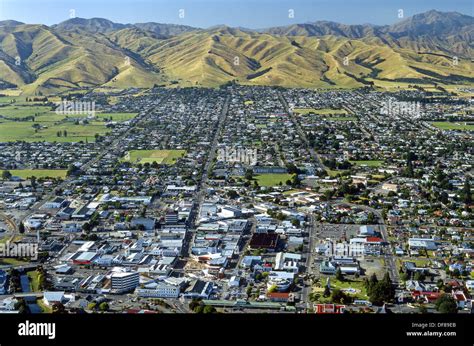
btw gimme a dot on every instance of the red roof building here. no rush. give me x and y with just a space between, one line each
329 308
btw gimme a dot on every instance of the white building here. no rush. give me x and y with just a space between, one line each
160 290
124 281
422 243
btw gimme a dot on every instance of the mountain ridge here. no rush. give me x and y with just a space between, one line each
94 52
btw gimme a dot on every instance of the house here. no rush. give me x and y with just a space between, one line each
49 298
470 285
421 244
425 296
462 300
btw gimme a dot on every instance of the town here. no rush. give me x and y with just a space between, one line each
238 199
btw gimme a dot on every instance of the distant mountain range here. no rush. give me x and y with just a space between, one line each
431 47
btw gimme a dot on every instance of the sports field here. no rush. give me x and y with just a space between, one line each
167 157
272 179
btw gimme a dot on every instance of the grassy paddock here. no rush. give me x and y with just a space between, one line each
369 163
446 125
168 157
39 173
272 179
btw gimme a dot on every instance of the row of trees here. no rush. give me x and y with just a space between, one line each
379 292
200 308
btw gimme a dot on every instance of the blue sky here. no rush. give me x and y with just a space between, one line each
245 13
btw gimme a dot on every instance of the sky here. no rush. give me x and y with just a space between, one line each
252 14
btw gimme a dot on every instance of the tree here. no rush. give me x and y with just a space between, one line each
21 227
33 182
6 175
466 192
339 297
208 309
194 303
446 304
327 291
380 292
103 306
249 174
21 306
199 309
273 288
58 308
339 275
232 194
419 276
371 283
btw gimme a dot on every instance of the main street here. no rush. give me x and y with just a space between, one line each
202 186
302 134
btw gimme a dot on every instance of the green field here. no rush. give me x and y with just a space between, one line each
342 118
167 157
11 261
47 124
323 111
369 163
118 117
16 111
446 125
34 282
272 179
39 173
358 285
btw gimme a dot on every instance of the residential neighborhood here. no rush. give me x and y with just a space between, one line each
246 199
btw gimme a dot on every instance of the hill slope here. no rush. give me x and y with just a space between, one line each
81 53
